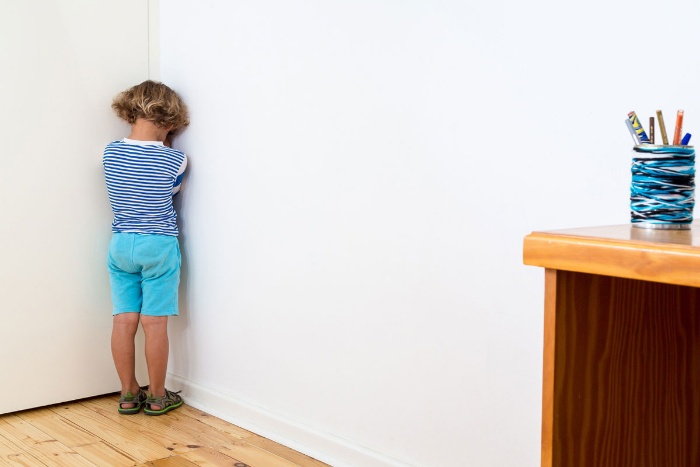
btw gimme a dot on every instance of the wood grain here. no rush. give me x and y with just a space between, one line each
671 257
283 451
118 433
91 433
550 308
46 449
626 384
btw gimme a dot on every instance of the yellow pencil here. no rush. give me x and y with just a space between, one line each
662 127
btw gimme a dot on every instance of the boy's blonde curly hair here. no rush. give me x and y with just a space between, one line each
152 101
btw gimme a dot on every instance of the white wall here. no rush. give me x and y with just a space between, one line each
60 65
362 176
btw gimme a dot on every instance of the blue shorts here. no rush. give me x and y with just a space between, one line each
144 272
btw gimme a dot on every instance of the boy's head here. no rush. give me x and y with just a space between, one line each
152 101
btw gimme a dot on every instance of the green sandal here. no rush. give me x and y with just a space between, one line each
171 400
138 401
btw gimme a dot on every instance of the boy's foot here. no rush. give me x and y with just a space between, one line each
163 404
130 404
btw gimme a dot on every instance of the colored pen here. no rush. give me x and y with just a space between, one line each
662 127
679 128
686 139
643 138
651 129
632 132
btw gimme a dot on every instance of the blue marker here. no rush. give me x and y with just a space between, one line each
686 139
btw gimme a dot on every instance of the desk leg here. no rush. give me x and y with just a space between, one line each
550 307
621 373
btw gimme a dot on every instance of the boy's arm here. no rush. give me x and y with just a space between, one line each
180 174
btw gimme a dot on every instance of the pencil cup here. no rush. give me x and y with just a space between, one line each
662 194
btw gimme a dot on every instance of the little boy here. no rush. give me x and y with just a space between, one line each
142 175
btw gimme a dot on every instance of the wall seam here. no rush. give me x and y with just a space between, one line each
153 28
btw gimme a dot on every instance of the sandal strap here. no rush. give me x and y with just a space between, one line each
130 398
170 398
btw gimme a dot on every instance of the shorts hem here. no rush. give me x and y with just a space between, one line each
145 313
175 313
121 312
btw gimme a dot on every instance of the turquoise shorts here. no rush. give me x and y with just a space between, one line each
144 272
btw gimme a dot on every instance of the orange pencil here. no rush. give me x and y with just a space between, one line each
679 128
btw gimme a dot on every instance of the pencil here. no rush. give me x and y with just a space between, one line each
651 129
679 128
637 125
662 127
632 132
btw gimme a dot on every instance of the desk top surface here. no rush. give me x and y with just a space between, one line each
669 256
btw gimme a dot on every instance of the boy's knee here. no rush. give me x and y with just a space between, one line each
153 321
127 318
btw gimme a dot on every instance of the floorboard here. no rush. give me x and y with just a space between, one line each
90 432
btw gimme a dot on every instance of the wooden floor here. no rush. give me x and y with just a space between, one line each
91 433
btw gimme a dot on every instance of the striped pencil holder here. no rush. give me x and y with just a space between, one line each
662 194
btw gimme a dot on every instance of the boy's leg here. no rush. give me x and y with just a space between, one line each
155 329
123 332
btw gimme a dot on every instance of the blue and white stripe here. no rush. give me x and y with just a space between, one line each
142 177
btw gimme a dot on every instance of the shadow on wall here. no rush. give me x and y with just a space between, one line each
182 350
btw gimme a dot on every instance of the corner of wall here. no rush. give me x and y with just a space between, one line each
154 40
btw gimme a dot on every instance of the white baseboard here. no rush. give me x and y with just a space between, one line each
325 447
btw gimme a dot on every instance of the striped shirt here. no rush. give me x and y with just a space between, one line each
142 177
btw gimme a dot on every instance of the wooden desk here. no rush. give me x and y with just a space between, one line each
621 382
